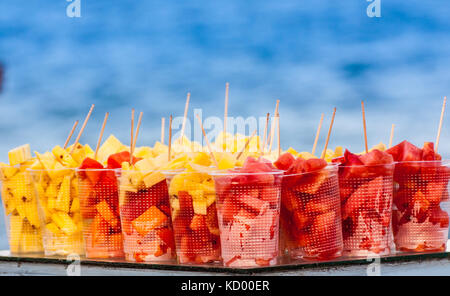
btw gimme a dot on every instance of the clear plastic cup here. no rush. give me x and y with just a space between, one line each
366 208
21 212
145 215
311 215
59 208
194 217
420 210
98 193
248 208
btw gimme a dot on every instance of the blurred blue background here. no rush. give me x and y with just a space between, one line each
312 55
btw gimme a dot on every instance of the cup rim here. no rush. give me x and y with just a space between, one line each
228 173
367 166
96 170
424 161
53 170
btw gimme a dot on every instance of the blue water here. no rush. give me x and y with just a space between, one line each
312 55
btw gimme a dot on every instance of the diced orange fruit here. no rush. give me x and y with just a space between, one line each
105 211
149 220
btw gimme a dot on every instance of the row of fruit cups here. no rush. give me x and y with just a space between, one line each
326 212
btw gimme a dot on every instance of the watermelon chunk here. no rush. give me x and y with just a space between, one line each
115 160
95 174
284 161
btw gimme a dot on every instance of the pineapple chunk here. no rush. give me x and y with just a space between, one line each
292 151
227 161
202 158
143 152
145 165
110 146
75 207
153 179
62 202
64 222
15 233
7 171
53 228
19 154
199 206
64 157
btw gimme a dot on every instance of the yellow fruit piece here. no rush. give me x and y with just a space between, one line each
199 206
159 148
31 213
153 179
306 155
64 157
338 151
15 233
176 184
31 240
62 202
105 211
202 158
53 228
7 171
227 161
292 151
210 199
88 150
143 152
64 222
75 207
110 146
19 154
145 165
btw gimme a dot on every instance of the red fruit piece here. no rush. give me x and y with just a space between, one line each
314 164
198 223
95 174
301 220
428 152
367 192
376 157
405 151
254 204
115 160
284 161
229 208
439 216
297 167
211 219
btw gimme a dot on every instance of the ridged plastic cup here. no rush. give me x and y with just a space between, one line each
99 205
21 213
146 218
421 203
248 207
59 208
194 217
311 215
366 207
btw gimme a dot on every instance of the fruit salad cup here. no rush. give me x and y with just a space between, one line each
59 206
21 212
249 211
421 194
146 218
99 206
311 214
366 205
193 203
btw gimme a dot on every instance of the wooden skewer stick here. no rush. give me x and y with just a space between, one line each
440 124
136 133
163 123
170 138
364 126
272 127
391 137
132 136
186 107
265 133
101 135
246 145
207 142
82 129
225 115
279 134
317 134
70 134
329 133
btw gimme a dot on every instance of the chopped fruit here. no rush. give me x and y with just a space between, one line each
107 214
19 155
149 220
285 161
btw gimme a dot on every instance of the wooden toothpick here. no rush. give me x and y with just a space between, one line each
317 134
186 107
265 133
82 129
440 124
329 133
136 133
70 134
279 134
391 137
207 142
132 136
246 145
364 126
101 135
225 115
170 138
163 123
